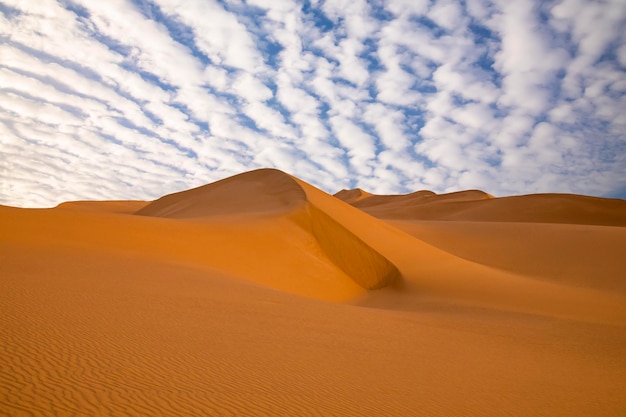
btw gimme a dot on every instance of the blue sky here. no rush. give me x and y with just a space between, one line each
125 99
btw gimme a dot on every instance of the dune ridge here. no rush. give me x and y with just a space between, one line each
270 191
256 192
121 206
475 205
351 196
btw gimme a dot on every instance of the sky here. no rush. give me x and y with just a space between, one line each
135 99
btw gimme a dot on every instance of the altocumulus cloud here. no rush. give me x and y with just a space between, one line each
138 98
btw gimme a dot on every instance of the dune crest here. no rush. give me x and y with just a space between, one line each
263 191
121 206
476 205
379 203
270 191
353 195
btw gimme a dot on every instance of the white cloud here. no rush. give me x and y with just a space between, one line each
477 117
359 145
526 61
478 9
356 15
447 14
106 100
389 126
294 98
221 37
251 88
466 83
408 7
269 119
395 86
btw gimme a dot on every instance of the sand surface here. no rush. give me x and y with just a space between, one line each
262 295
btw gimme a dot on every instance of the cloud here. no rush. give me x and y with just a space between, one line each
222 38
446 14
139 98
526 60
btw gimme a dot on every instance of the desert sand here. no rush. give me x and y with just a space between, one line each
263 295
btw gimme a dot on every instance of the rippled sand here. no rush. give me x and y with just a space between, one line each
262 295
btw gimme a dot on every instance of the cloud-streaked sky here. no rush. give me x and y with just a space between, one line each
134 99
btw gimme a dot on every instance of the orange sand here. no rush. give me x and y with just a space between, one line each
262 295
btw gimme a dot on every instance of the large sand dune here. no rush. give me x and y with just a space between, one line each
262 295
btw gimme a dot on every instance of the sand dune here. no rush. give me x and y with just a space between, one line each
263 295
354 195
268 192
258 192
477 205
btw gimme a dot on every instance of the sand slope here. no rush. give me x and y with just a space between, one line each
578 255
262 295
269 191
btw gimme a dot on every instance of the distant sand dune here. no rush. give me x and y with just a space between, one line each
352 196
480 206
263 295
